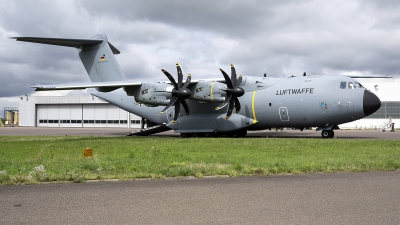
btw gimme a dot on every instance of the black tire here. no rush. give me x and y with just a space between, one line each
241 133
185 135
327 134
208 134
227 134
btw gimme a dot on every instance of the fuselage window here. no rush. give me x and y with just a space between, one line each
342 85
351 85
358 85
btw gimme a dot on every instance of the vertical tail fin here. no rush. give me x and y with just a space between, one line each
100 62
96 53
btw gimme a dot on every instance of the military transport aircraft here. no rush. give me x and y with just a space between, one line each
229 106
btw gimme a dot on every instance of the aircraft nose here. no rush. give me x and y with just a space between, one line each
371 103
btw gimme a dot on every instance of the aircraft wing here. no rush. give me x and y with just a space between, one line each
56 87
112 84
363 76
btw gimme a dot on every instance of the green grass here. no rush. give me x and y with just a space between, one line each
44 159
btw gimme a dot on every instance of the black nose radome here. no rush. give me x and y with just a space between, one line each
371 103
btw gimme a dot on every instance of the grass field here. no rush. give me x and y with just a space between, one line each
43 158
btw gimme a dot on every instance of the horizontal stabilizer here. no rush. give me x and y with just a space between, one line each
76 43
57 87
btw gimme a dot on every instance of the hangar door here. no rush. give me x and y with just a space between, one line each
81 115
59 115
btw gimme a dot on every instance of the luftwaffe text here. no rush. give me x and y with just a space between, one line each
295 91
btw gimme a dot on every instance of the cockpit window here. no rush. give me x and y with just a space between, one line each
351 85
358 85
342 85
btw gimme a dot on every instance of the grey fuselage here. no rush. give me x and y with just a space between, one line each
306 101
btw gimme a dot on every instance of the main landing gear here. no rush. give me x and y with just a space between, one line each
327 133
237 133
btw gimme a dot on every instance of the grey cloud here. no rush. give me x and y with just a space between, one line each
276 37
233 18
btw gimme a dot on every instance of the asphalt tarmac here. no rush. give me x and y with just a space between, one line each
286 133
340 198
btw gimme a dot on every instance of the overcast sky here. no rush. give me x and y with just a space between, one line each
279 38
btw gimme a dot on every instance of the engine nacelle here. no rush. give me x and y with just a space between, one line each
205 91
151 94
155 94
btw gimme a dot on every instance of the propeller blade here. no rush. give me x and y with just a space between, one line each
180 75
237 104
230 109
227 80
185 107
179 93
170 78
226 101
233 75
239 81
170 103
232 92
189 78
177 110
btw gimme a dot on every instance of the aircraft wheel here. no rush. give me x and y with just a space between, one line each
241 133
195 135
327 134
227 134
185 135
208 134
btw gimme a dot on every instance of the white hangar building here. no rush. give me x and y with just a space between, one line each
89 111
73 111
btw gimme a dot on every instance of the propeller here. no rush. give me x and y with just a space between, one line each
233 91
179 93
